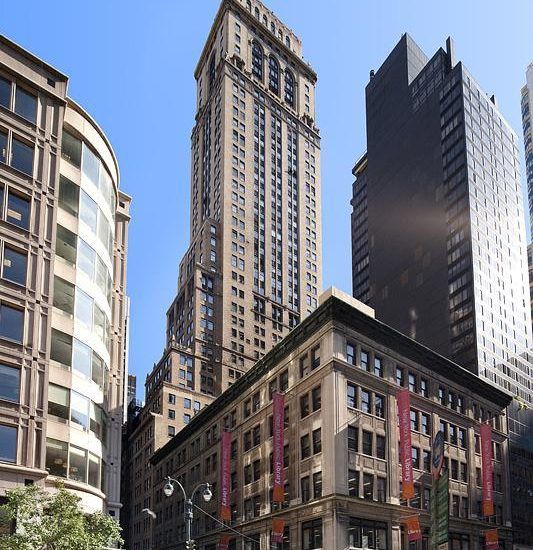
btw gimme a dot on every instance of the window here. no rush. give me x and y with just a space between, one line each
3 146
399 376
353 443
381 489
171 431
79 411
379 402
306 489
71 149
66 244
88 211
367 443
414 420
14 266
8 443
11 323
365 401
77 469
186 418
5 93
58 401
171 414
316 398
424 387
25 104
9 382
69 196
61 348
364 360
411 379
353 483
350 354
257 61
305 448
426 460
317 441
380 446
86 258
415 455
18 210
81 358
256 402
317 484
368 486
289 88
22 156
351 396
83 308
90 165
312 534
424 424
56 457
378 366
304 405
273 75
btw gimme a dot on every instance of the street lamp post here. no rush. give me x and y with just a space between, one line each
188 514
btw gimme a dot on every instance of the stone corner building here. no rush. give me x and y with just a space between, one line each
340 370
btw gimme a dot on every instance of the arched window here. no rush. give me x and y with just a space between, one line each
273 27
289 88
287 42
280 34
265 20
257 61
212 71
249 6
256 13
273 74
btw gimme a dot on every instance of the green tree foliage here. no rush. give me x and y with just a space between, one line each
55 521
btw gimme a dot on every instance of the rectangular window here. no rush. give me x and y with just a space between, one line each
380 446
304 405
350 354
365 401
69 196
9 383
61 348
66 244
86 258
79 413
83 309
88 211
364 360
90 165
77 464
3 146
81 358
22 156
353 483
305 447
367 443
414 420
379 405
351 396
25 104
71 149
368 486
58 401
425 423
426 459
353 443
378 366
18 211
5 93
306 489
415 455
56 457
316 398
317 484
381 489
11 323
312 534
14 266
8 443
399 376
317 441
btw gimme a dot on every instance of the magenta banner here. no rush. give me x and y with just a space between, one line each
404 419
278 443
485 432
225 476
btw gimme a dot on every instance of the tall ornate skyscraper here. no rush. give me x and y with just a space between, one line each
253 267
527 125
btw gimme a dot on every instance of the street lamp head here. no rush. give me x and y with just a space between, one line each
207 494
168 489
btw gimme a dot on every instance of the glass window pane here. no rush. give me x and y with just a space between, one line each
88 210
14 266
8 443
98 370
94 471
58 401
84 308
56 457
18 211
5 92
86 258
79 411
106 188
71 149
104 231
100 324
66 243
90 165
77 469
81 358
9 382
22 156
69 196
3 147
11 323
61 348
63 295
103 278
97 417
25 104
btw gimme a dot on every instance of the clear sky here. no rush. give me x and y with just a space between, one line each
131 66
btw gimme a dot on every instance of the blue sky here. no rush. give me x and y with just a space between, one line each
131 66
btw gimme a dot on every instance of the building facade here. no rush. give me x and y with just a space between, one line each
527 126
132 389
447 264
64 235
340 371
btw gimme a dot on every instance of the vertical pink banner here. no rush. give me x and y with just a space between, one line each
404 418
278 525
278 443
223 543
486 466
225 476
491 540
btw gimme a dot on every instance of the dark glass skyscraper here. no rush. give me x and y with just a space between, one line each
438 227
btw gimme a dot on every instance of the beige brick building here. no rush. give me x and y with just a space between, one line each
64 233
340 370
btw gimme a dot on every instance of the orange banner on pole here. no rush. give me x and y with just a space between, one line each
486 465
414 532
278 525
491 539
223 543
225 476
404 418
